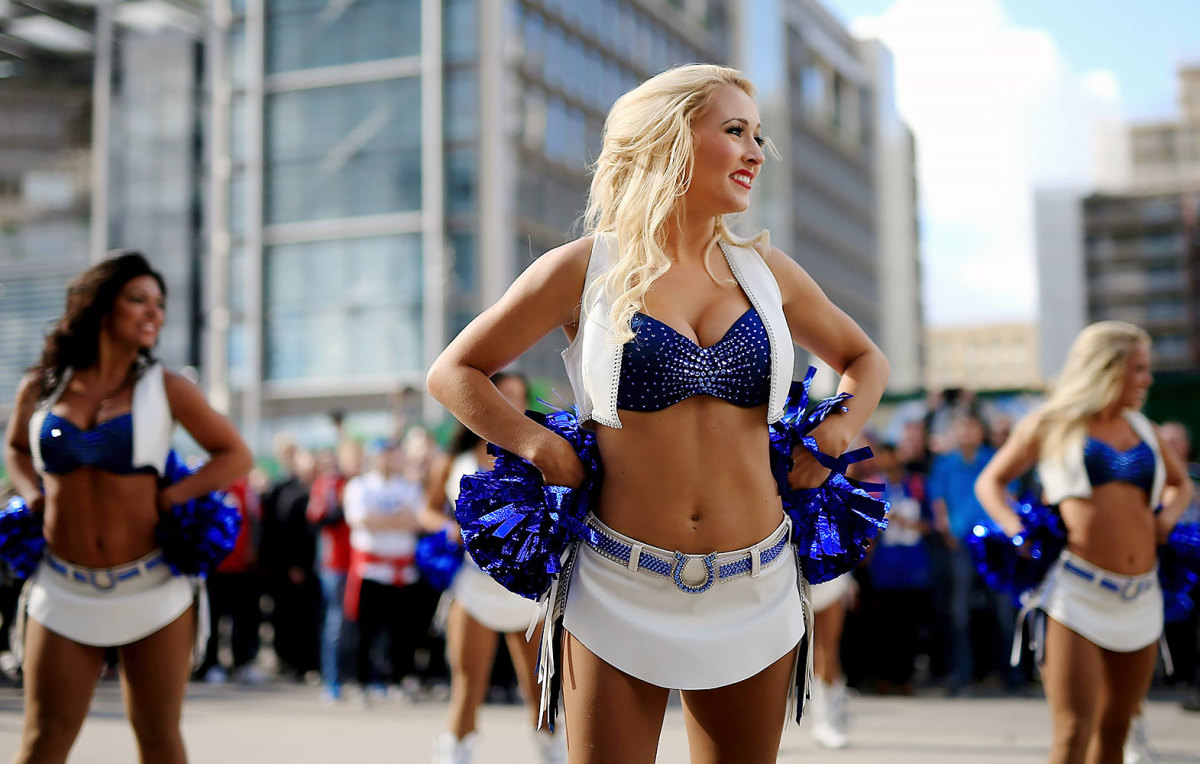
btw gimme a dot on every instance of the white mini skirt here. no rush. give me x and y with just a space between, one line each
1116 612
490 603
106 607
824 595
687 622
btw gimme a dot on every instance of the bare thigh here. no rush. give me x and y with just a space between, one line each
827 640
154 675
1125 679
1071 677
611 716
471 650
60 677
741 723
524 654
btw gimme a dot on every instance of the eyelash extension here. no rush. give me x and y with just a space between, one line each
737 130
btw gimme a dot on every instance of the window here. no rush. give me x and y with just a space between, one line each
812 88
462 169
343 151
323 299
460 30
461 104
303 34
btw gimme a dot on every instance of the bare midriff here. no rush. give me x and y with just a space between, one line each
694 477
97 519
1113 529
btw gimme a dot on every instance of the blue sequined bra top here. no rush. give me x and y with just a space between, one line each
1105 464
660 367
108 446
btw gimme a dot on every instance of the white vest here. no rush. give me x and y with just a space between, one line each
593 359
152 420
1067 478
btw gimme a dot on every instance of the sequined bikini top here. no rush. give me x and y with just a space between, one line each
123 445
1105 464
660 367
108 446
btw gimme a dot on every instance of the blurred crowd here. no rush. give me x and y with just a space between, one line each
918 586
322 586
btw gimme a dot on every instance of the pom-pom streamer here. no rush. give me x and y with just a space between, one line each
195 535
833 524
21 541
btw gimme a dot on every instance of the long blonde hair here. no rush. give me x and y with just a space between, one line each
639 180
1091 381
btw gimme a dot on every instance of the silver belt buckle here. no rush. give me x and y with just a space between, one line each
710 570
108 574
1133 589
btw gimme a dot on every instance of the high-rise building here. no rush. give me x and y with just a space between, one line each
1062 302
383 169
901 307
818 104
1142 265
99 148
334 189
1142 246
1166 155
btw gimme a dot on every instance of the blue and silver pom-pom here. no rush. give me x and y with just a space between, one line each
21 541
199 533
438 558
833 524
515 527
1014 565
1179 571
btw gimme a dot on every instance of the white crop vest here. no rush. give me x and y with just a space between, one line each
1067 478
152 420
593 359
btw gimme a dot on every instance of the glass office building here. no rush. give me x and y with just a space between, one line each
383 169
99 147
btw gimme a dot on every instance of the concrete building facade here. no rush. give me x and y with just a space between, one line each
984 358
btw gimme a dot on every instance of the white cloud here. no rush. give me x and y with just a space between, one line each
997 112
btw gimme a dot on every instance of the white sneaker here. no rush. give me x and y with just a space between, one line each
1137 742
551 748
830 717
249 674
216 675
448 749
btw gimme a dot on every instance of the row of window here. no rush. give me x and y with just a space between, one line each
550 199
324 299
583 64
564 133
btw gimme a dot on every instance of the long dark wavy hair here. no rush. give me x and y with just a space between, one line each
74 342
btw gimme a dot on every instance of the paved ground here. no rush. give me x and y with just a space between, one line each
288 723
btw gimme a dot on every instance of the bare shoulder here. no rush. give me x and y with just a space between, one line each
782 264
181 391
1027 433
568 262
554 282
28 391
794 282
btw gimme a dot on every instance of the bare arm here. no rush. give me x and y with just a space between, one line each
824 329
545 297
17 455
432 516
1177 493
1016 457
229 457
402 521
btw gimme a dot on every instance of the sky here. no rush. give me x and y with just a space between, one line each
1006 96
